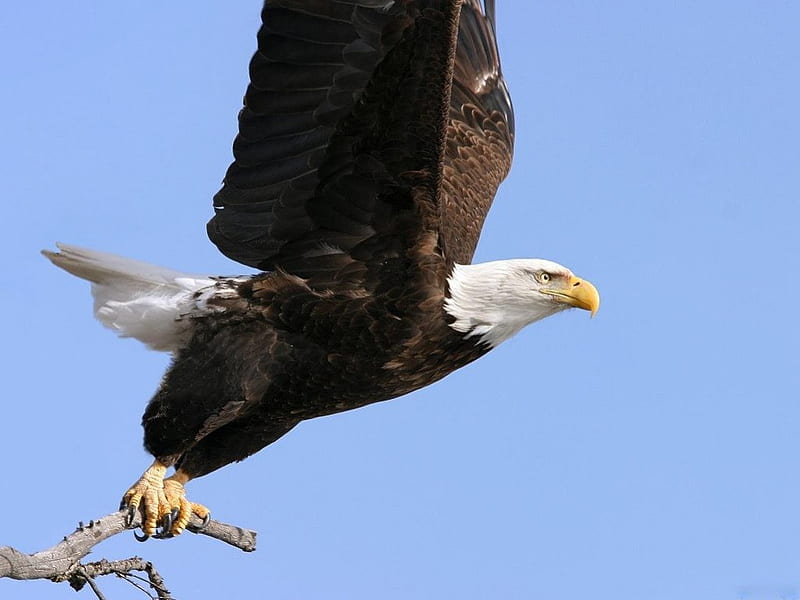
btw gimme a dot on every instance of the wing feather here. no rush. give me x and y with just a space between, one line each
480 134
350 145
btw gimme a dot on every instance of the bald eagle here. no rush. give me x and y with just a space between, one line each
373 137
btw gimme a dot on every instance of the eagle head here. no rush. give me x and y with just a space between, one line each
494 300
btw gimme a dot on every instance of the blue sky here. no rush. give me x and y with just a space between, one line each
649 453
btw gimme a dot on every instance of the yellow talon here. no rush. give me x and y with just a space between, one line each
148 492
176 496
161 498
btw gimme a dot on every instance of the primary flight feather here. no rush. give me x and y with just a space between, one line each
372 140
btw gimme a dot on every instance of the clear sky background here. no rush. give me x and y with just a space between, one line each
651 453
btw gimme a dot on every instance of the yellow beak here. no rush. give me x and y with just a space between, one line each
578 293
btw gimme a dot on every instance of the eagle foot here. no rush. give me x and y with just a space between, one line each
147 492
182 509
165 510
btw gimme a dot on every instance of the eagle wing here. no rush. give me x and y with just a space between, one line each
352 150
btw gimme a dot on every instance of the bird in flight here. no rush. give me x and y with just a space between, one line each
373 137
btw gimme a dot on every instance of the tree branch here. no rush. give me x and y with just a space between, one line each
60 562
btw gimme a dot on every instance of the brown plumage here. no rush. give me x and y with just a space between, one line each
372 141
351 155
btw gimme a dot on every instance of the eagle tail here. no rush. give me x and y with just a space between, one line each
134 298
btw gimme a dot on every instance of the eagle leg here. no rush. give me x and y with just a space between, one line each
182 509
166 511
148 492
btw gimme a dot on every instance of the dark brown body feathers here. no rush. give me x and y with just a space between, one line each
283 353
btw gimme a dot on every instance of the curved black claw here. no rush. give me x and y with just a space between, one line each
141 538
165 526
167 521
130 516
206 521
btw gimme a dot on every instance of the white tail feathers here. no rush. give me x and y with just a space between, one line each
134 298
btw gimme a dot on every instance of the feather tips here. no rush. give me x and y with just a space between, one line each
139 300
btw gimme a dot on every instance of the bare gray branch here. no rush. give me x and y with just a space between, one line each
60 562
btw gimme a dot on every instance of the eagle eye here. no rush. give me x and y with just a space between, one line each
543 277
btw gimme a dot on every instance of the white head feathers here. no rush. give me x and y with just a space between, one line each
494 300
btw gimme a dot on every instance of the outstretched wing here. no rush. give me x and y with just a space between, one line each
350 151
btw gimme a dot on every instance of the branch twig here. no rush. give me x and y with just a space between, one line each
85 575
59 562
